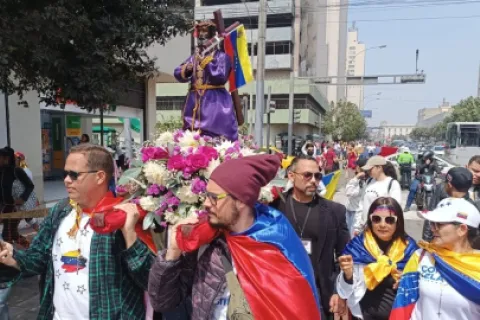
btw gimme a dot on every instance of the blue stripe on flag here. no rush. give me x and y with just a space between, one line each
239 77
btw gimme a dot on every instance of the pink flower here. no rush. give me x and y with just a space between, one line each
197 161
176 162
210 152
198 186
154 153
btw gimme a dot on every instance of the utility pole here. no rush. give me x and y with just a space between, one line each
269 97
290 113
7 115
260 95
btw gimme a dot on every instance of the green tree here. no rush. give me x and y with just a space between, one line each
169 125
344 121
83 50
420 133
467 110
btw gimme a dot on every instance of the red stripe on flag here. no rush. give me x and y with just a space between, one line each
403 313
229 51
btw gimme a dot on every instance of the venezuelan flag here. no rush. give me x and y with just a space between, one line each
236 47
272 266
73 261
331 181
460 271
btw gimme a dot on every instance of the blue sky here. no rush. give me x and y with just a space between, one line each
449 55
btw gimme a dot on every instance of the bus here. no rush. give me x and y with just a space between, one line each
463 141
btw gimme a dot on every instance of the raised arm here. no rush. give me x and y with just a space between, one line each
184 72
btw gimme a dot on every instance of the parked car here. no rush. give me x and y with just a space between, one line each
443 163
439 150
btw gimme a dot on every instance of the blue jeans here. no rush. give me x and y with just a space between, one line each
412 193
350 221
4 293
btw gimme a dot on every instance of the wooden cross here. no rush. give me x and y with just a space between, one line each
220 24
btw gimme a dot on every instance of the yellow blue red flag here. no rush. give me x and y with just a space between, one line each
236 47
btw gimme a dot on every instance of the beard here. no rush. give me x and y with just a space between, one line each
219 224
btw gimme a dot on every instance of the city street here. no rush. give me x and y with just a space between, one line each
24 299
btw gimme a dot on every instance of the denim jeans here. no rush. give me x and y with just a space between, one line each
350 221
4 293
412 193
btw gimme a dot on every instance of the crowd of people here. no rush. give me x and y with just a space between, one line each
299 257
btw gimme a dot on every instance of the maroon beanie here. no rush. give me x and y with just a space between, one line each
243 178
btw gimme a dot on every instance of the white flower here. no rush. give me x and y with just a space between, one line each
214 163
155 173
222 148
246 152
171 218
188 140
266 194
164 139
149 203
186 195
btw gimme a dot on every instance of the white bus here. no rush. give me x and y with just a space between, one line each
463 141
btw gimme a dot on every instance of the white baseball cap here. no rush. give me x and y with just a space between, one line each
454 210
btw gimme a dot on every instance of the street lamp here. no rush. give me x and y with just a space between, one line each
383 46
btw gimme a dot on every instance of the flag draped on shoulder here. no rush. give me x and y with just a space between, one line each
459 270
236 48
272 265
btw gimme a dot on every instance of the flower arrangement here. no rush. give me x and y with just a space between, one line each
170 180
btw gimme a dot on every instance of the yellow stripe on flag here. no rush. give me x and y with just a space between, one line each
332 186
243 57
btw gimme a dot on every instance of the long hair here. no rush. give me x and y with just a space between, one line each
395 207
390 171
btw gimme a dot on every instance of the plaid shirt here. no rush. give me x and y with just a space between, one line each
118 277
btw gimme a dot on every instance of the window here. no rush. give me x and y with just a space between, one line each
280 47
170 103
352 48
452 136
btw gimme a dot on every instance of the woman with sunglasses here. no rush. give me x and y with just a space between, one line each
373 261
382 182
442 279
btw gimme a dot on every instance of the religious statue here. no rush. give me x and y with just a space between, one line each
209 107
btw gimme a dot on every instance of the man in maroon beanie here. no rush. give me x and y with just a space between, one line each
235 262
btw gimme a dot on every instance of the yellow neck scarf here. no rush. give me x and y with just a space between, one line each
386 264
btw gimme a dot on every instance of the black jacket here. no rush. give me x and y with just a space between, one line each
8 175
333 236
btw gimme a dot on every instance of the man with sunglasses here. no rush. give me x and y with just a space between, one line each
87 275
320 223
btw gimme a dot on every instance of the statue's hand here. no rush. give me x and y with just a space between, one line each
189 67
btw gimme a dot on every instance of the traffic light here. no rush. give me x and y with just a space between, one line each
272 107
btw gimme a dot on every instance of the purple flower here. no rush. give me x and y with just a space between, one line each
153 190
168 194
230 150
159 212
121 189
177 135
196 137
173 201
163 224
227 158
136 201
198 186
201 213
170 209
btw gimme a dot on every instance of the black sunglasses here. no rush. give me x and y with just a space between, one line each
74 174
388 220
308 175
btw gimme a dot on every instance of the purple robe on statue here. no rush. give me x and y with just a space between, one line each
209 106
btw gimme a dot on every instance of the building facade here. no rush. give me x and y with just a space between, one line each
355 66
392 130
323 43
426 113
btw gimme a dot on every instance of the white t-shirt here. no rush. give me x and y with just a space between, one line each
376 189
221 302
438 300
71 258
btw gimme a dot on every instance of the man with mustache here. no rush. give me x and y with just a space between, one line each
320 223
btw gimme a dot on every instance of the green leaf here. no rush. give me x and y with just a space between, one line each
129 174
148 221
136 163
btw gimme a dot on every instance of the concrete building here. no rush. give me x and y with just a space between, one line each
355 66
323 43
426 113
391 130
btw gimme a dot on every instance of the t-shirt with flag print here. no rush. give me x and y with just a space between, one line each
70 255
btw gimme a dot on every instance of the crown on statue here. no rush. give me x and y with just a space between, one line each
206 25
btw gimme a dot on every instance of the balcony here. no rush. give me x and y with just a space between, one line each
238 10
275 62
